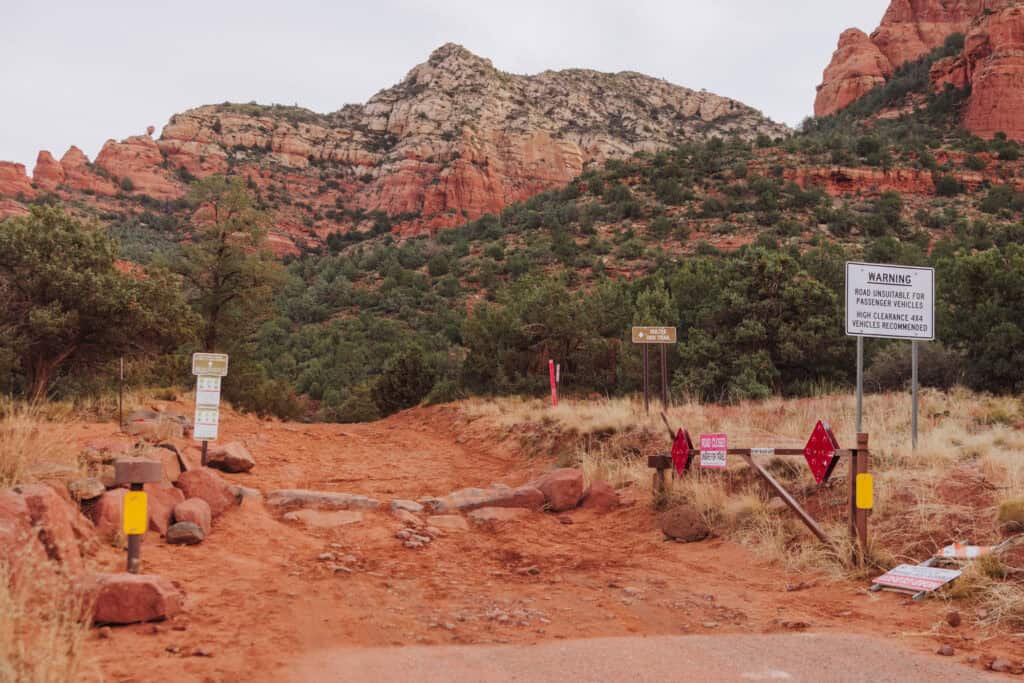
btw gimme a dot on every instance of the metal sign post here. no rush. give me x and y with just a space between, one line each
135 514
913 391
889 302
662 336
209 368
120 398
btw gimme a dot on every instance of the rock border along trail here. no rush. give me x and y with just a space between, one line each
264 595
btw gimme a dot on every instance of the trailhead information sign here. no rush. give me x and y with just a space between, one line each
893 302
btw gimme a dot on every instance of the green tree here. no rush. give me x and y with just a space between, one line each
407 378
230 279
67 303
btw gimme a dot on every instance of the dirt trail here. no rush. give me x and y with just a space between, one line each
260 600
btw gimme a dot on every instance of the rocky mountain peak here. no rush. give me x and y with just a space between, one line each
455 139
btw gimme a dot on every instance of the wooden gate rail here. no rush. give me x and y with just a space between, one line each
859 459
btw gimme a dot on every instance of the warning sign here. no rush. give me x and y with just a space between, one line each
713 451
893 302
681 448
917 579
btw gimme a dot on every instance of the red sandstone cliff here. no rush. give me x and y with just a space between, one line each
454 140
992 62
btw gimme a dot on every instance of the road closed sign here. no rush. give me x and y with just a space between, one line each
892 302
713 451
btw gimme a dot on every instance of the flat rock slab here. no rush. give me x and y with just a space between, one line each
497 515
320 519
185 533
322 500
464 500
132 598
407 505
448 522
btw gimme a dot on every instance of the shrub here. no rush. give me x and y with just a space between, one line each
948 186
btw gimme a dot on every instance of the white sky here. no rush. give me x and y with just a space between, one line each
75 72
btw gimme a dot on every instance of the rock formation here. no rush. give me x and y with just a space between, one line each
992 62
455 139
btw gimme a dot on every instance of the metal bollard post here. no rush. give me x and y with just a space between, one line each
135 514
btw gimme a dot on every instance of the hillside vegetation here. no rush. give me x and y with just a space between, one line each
739 244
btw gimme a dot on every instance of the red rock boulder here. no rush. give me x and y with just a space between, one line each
194 510
562 488
206 484
17 541
232 457
132 598
58 523
161 499
600 496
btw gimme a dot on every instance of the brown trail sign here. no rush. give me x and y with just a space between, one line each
662 337
822 454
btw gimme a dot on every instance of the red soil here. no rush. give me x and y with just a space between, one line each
259 599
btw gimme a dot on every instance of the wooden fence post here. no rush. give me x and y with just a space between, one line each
863 466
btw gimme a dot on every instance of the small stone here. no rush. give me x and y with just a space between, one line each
629 590
407 506
86 489
326 557
185 533
104 633
350 559
413 545
449 522
339 569
180 627
173 649
795 625
433 531
565 519
1000 665
946 651
710 624
202 652
320 519
407 518
953 619
403 535
528 571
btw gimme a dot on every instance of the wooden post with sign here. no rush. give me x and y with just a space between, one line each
663 337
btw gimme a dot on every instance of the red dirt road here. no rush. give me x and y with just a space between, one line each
264 606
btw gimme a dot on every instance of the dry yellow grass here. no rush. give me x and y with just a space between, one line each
28 450
970 458
44 624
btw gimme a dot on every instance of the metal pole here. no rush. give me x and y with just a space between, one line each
120 398
647 402
134 545
664 377
860 384
203 461
913 381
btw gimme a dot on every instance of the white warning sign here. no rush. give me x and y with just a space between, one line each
894 302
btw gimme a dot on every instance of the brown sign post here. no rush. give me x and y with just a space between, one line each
662 337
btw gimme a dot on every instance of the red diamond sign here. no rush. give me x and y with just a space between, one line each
681 449
820 452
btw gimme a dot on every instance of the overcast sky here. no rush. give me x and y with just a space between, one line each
74 72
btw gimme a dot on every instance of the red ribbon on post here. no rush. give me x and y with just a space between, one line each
554 384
